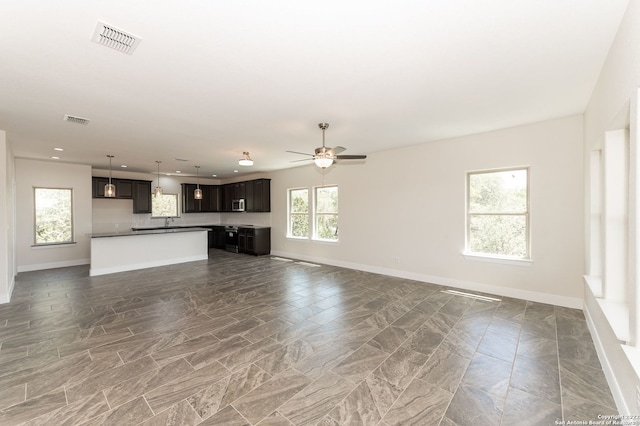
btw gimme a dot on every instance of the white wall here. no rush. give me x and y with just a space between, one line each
402 212
7 219
616 87
32 173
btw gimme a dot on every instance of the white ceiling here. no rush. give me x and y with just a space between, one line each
212 79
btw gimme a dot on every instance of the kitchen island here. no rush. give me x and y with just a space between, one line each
131 250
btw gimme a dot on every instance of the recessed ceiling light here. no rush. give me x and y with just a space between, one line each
178 171
214 175
124 166
235 171
58 149
55 158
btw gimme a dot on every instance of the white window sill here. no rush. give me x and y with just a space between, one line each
289 237
595 284
325 241
497 259
53 245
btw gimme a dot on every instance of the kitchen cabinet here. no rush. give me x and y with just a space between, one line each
126 189
219 237
98 184
210 198
258 195
210 201
227 197
255 241
189 203
141 196
232 191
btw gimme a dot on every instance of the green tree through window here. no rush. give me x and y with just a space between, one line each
326 213
53 216
164 206
498 213
299 213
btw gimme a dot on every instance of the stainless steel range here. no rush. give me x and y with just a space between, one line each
231 238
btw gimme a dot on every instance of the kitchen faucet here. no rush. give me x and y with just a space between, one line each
166 221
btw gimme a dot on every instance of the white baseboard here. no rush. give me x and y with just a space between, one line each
52 265
552 299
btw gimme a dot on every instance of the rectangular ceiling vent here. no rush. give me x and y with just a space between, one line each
110 36
76 120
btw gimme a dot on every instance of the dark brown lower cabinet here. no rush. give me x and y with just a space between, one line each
218 238
255 241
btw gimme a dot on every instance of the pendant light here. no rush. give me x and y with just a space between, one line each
197 194
246 160
110 188
158 191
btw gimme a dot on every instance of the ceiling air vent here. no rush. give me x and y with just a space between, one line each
76 120
110 36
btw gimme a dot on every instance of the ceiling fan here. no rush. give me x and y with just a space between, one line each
325 156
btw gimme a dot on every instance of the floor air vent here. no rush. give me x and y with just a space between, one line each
308 264
76 120
110 36
471 295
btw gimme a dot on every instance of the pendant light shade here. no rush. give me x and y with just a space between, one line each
158 190
197 193
246 160
110 188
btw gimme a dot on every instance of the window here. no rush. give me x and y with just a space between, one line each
326 213
164 206
498 213
53 216
299 213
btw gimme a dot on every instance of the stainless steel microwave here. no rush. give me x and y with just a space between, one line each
237 205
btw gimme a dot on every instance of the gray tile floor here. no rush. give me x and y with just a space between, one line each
241 340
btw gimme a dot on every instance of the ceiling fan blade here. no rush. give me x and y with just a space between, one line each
301 153
304 159
351 157
338 149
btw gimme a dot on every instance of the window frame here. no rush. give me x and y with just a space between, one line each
316 214
291 214
526 214
35 218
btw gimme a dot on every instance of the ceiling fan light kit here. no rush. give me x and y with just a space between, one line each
323 162
245 160
324 156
